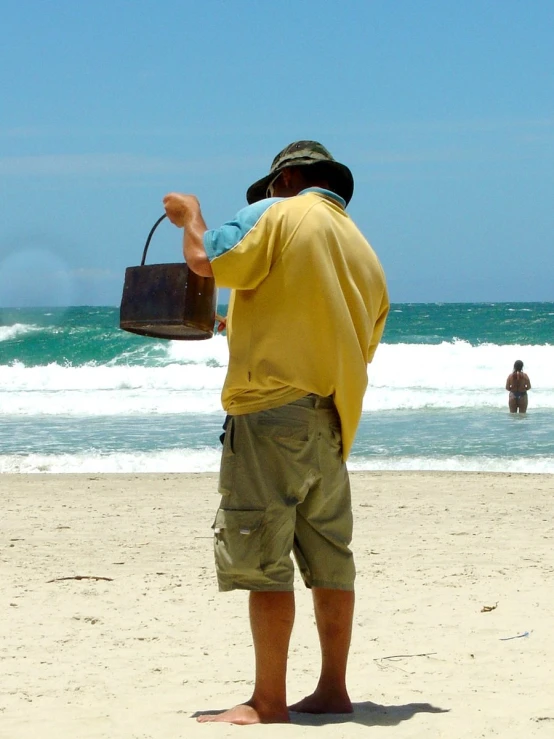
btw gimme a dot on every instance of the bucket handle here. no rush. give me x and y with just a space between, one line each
154 227
149 239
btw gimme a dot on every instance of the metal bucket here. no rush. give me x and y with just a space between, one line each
167 301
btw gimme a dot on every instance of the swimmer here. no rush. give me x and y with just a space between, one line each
518 383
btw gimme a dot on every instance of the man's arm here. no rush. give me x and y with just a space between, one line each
184 212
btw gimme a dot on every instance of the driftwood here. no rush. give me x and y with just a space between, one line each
81 577
488 609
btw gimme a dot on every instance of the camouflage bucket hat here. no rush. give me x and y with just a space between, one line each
300 154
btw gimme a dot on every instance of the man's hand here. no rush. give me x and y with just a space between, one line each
181 209
184 212
221 323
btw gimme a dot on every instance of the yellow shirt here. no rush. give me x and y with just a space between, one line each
307 308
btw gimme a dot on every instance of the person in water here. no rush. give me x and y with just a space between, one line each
518 383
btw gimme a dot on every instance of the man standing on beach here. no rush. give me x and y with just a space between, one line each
307 310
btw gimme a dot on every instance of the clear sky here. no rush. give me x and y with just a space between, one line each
443 109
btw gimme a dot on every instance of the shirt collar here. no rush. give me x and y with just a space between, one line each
326 193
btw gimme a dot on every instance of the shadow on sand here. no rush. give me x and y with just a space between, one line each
366 714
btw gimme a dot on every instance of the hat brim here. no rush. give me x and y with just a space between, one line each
342 179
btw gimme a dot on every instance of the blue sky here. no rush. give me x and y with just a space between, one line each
443 110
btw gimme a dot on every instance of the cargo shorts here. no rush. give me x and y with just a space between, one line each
284 489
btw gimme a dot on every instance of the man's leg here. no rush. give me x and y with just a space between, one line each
271 621
334 613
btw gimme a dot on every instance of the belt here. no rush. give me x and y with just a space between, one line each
315 401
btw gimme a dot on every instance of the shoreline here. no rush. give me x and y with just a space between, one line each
113 625
214 474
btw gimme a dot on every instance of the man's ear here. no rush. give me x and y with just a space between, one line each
286 176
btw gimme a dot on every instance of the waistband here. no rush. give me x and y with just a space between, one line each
315 401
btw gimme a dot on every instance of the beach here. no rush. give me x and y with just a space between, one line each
112 625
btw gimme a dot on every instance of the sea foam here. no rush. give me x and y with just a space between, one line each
190 375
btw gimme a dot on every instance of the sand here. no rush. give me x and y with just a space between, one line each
453 632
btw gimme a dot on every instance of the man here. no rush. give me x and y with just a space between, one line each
307 310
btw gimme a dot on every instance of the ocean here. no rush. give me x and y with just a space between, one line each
77 394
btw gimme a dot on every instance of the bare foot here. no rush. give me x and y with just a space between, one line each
244 715
319 703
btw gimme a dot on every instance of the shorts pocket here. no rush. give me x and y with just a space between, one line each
282 428
238 542
290 435
336 439
228 459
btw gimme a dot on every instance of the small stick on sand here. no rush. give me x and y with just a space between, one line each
81 577
403 656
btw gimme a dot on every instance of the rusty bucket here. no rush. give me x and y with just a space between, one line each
167 301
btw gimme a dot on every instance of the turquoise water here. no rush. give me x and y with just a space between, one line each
79 394
79 335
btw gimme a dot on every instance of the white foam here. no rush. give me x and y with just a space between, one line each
188 377
535 465
17 329
458 365
208 460
174 460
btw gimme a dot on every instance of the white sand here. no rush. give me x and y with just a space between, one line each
138 655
